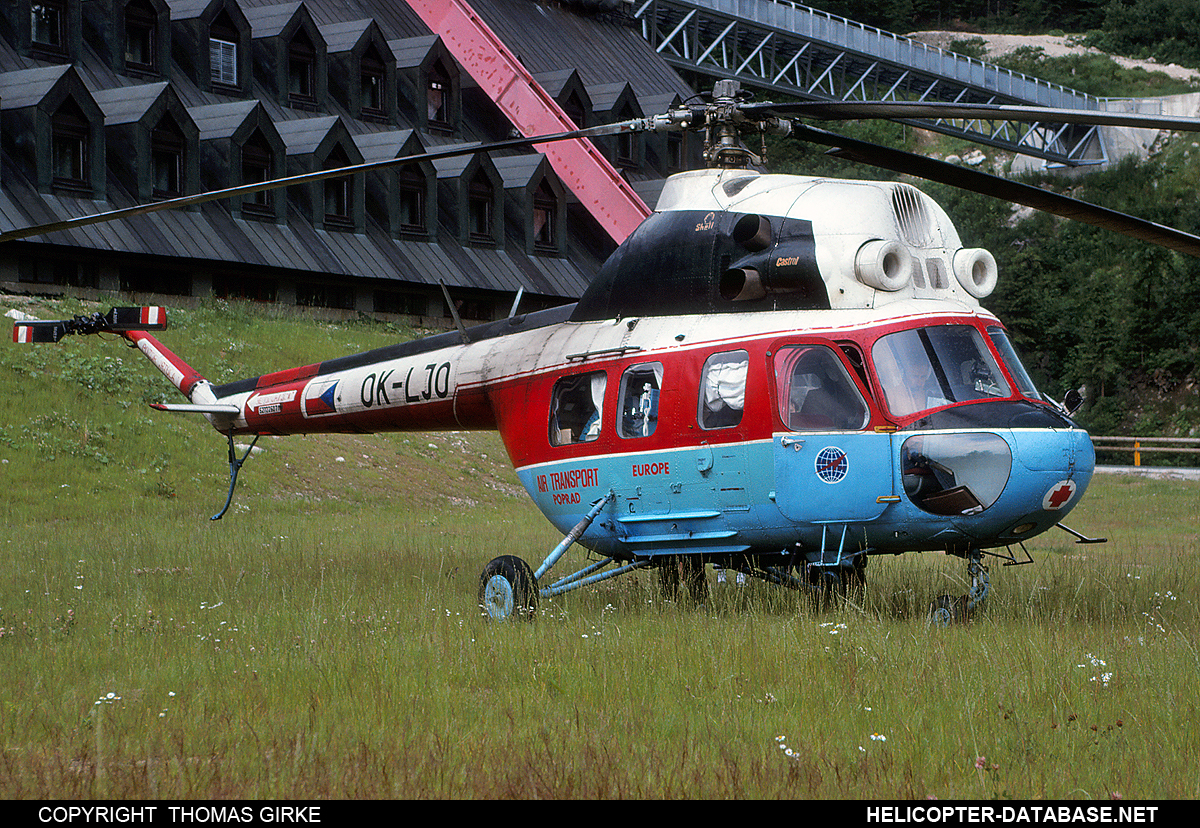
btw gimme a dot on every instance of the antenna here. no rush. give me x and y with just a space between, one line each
454 313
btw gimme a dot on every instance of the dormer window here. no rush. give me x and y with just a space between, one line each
140 31
676 151
70 132
371 80
302 62
545 211
166 152
223 51
627 145
337 193
256 168
223 57
437 97
48 25
480 198
412 199
575 110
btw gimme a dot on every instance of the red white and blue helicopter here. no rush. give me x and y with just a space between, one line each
775 374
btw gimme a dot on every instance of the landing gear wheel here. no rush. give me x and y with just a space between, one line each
940 614
947 610
507 589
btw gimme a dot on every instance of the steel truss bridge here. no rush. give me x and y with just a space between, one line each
792 50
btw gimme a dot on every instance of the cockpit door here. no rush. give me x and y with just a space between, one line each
830 466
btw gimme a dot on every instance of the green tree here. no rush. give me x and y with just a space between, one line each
1166 30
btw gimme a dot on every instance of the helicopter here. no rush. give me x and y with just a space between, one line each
778 375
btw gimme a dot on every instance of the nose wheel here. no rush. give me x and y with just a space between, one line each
507 589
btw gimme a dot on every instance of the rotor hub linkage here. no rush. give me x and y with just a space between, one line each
724 120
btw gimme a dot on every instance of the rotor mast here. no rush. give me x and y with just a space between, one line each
723 121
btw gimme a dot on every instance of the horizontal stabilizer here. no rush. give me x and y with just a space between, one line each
146 318
27 332
117 320
193 408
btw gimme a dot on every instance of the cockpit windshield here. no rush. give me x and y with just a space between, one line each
926 368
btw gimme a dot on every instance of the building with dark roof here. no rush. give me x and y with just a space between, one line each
106 104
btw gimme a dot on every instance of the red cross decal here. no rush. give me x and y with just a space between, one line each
1059 495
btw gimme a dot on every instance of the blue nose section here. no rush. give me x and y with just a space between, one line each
1064 451
1053 469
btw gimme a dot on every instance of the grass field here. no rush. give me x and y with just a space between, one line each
323 640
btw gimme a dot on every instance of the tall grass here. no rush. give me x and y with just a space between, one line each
323 640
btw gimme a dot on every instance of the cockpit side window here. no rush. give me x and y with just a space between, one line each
723 389
577 408
815 392
926 368
1008 354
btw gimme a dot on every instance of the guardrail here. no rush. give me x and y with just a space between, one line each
1137 445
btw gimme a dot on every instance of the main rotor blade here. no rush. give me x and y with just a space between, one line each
635 125
978 182
899 110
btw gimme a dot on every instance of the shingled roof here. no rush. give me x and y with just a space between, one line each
552 40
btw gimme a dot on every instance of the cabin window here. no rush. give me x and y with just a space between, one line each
815 392
577 408
926 368
640 385
955 474
723 389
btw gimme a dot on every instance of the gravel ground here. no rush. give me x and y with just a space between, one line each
1054 46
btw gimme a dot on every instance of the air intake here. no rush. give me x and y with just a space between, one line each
912 216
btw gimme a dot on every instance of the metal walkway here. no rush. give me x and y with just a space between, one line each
788 49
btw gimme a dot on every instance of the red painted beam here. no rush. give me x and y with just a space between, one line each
599 187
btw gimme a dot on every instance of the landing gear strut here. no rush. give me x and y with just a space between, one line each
948 609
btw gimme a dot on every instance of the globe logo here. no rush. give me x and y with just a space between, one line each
832 464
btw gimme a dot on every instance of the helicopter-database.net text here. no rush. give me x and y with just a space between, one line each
1013 814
